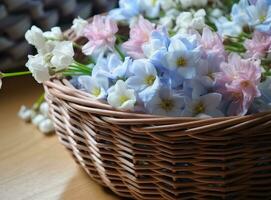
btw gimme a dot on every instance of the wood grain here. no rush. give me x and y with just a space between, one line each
33 166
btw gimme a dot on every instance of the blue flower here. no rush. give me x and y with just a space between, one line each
126 11
183 55
260 16
228 28
144 80
157 47
239 13
151 8
263 103
205 72
96 86
203 106
112 67
166 103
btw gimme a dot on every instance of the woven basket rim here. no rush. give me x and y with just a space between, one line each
65 90
63 85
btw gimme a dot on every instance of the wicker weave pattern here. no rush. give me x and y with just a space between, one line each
151 157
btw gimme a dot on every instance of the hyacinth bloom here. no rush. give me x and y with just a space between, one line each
126 11
35 37
255 1
227 28
144 80
121 97
240 79
96 86
239 13
183 56
205 73
156 48
203 106
166 103
258 46
112 67
39 68
260 16
100 34
212 44
78 26
139 35
263 103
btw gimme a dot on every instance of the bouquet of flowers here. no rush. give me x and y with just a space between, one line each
187 58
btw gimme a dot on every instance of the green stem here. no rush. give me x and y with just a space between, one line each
75 70
82 66
4 75
39 101
234 49
74 73
122 56
75 45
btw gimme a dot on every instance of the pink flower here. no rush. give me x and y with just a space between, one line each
212 44
100 34
259 46
238 82
139 34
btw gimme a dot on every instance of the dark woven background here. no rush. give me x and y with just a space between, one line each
17 16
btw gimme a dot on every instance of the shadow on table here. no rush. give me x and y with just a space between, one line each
84 188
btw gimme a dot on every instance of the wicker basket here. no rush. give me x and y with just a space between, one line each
150 157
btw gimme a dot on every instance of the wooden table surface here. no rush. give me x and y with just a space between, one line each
34 166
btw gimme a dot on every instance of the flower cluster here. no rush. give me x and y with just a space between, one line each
38 116
55 55
182 58
179 58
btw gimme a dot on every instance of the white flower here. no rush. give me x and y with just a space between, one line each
54 34
35 37
216 13
168 4
38 119
122 98
78 26
199 19
187 3
190 3
45 64
188 20
38 67
25 113
44 109
62 55
44 42
46 126
169 19
200 3
96 86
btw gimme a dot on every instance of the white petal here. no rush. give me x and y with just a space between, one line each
136 83
25 113
38 119
44 109
46 126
